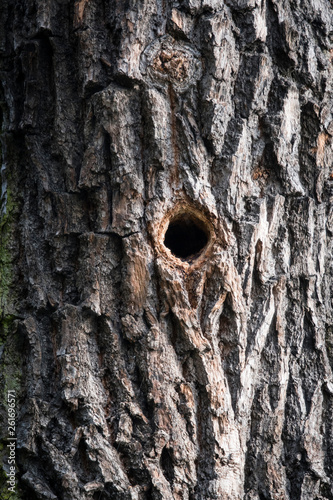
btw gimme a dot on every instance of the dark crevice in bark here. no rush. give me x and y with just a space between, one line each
328 428
228 344
277 39
310 129
167 464
245 84
295 457
205 464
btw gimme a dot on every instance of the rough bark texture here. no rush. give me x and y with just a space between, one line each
142 375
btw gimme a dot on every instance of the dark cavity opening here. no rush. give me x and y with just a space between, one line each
185 236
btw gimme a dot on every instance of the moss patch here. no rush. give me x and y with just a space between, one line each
5 494
6 268
10 351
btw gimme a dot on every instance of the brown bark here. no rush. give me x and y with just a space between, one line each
196 365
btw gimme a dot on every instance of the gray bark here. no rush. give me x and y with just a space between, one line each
140 374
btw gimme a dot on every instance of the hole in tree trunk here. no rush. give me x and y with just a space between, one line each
186 236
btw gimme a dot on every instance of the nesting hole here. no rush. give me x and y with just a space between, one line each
186 236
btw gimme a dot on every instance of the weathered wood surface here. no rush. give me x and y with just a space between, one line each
144 376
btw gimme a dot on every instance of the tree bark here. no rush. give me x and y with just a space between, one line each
166 265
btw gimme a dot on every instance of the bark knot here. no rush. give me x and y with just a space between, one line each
169 61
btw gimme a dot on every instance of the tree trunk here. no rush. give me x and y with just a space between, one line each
166 264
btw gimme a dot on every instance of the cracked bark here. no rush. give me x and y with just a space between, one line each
146 376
